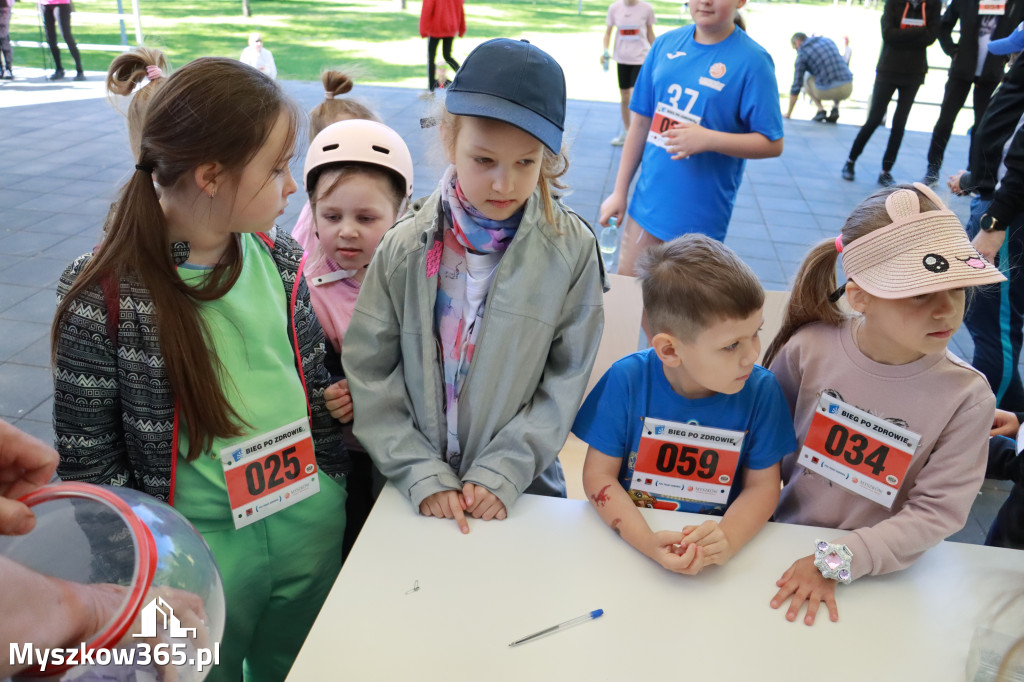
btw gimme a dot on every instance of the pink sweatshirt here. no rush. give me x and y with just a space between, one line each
940 397
333 302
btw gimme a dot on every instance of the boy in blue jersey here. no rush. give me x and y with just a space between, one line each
706 99
691 423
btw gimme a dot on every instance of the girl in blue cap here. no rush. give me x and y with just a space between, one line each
478 320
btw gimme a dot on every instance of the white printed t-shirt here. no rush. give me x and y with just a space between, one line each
631 22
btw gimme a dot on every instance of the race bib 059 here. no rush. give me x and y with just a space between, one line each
686 461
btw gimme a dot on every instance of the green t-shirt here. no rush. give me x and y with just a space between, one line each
249 328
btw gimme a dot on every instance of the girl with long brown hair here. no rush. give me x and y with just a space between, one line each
188 362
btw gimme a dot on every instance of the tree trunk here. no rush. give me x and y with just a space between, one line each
246 10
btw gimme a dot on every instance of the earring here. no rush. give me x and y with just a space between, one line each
212 192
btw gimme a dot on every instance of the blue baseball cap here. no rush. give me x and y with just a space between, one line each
1010 44
514 82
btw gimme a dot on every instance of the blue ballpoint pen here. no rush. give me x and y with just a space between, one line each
561 626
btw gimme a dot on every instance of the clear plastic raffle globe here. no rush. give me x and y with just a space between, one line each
145 556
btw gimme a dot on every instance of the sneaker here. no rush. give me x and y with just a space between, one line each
820 116
848 171
620 140
833 115
8 75
885 179
931 176
80 76
58 75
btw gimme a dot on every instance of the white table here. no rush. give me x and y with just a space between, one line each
554 559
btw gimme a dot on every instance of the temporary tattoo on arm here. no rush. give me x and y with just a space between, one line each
615 527
600 498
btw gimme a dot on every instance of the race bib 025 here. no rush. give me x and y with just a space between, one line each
270 472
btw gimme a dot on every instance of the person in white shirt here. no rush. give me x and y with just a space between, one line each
258 56
633 23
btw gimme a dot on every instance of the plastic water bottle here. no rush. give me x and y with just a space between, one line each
608 241
606 60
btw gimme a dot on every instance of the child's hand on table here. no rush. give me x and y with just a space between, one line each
666 548
709 536
446 504
481 503
804 583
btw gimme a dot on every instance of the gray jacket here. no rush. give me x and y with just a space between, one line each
541 328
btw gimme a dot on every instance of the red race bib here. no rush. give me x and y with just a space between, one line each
858 451
686 462
992 8
270 472
666 117
913 22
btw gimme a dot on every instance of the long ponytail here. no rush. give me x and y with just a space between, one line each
810 300
193 119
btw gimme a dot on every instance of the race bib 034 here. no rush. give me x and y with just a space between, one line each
858 451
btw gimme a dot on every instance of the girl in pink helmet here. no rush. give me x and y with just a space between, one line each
358 174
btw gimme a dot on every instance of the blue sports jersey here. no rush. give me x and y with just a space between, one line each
730 87
636 387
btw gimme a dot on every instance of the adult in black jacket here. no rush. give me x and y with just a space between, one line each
976 29
908 28
995 317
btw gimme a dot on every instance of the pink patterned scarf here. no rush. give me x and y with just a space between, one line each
465 228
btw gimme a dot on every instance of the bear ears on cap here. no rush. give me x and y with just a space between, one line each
905 203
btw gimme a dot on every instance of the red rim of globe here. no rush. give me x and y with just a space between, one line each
145 565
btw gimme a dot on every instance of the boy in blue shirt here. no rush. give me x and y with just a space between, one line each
706 99
690 423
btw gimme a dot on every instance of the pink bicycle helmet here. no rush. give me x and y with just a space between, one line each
358 141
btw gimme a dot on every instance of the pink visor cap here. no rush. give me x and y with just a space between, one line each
919 253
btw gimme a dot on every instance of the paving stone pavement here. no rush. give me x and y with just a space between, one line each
62 163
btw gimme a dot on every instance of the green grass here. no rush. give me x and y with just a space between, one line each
377 42
308 35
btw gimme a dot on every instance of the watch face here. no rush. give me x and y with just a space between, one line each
987 223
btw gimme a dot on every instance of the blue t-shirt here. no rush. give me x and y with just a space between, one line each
731 87
636 387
